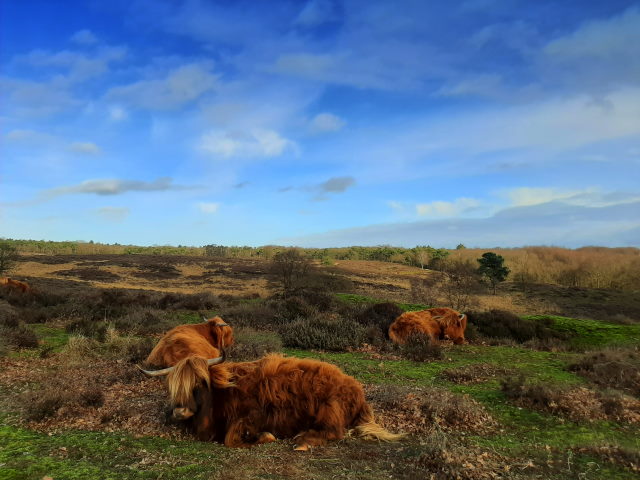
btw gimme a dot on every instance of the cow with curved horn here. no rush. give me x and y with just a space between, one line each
452 323
204 340
247 403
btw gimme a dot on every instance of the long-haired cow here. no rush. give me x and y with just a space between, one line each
204 340
411 323
436 323
243 404
453 323
15 284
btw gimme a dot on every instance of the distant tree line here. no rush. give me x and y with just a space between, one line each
590 267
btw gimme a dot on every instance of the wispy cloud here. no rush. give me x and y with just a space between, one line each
249 144
115 187
551 223
208 207
446 209
87 148
179 87
326 122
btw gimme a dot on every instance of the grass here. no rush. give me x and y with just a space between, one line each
587 333
81 455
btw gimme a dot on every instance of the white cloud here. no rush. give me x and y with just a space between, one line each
254 143
113 214
326 122
207 207
180 86
446 209
553 223
591 197
525 196
79 67
30 137
600 55
117 113
87 148
84 37
600 39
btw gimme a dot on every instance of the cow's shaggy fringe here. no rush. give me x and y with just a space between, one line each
307 399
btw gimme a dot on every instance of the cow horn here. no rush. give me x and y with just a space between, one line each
222 324
205 319
217 360
165 371
461 316
155 373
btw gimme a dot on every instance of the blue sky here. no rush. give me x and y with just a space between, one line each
321 123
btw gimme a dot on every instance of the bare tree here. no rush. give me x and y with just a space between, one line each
460 284
291 267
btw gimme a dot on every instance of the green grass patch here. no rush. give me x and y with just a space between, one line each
587 333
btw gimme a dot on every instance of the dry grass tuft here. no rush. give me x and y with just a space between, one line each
419 411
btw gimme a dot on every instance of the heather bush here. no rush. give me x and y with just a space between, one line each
611 368
420 348
253 344
323 333
503 324
379 316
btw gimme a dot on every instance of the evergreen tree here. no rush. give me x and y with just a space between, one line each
492 267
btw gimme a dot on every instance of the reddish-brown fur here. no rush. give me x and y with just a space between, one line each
453 323
236 403
15 284
411 323
203 339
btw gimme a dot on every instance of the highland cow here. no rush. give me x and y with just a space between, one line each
243 404
205 340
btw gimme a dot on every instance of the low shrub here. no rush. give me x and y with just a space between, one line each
503 324
143 321
258 315
323 333
420 348
88 328
380 316
611 368
253 344
422 410
61 392
576 403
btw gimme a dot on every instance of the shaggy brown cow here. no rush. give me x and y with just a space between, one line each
453 323
411 323
243 404
202 339
15 284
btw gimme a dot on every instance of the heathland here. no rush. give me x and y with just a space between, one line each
547 387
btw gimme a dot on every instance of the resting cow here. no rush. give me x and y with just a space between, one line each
453 323
243 404
15 284
412 323
202 339
436 323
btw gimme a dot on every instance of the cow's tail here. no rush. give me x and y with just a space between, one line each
186 375
367 428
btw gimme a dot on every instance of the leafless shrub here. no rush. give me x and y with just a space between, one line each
612 368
